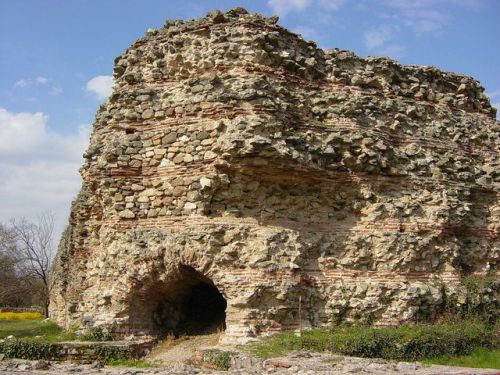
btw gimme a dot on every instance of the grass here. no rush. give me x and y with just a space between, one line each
30 329
280 344
479 358
473 341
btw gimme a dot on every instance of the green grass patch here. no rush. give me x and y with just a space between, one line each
479 358
276 346
404 343
29 329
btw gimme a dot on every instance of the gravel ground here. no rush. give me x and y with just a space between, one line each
303 363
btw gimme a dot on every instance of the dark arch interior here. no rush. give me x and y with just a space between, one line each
190 304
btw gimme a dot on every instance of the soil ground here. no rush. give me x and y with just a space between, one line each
182 349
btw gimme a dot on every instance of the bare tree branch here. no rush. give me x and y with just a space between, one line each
35 248
12 275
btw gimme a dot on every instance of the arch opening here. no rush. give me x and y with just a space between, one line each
188 304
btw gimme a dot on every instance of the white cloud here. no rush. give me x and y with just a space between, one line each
331 4
377 37
21 83
38 166
101 86
426 16
282 7
41 80
425 20
56 91
380 41
393 50
418 16
21 131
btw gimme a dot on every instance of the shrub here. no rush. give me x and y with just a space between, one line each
28 350
482 297
96 334
219 359
407 343
413 343
110 353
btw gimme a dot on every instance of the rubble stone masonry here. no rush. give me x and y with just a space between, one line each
235 154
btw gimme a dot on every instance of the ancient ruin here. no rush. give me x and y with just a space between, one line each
237 167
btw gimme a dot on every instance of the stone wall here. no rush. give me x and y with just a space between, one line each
275 170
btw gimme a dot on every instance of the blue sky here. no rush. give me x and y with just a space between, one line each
56 60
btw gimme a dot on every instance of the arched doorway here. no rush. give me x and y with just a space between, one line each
188 304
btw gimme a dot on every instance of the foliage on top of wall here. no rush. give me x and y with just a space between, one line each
96 334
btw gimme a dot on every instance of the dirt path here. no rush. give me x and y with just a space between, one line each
182 349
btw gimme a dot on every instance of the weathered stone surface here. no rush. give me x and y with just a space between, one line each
234 153
300 363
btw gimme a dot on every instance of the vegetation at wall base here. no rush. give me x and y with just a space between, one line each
29 350
218 359
33 350
403 343
36 339
480 358
109 353
478 299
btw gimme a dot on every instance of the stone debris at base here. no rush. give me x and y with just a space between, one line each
303 363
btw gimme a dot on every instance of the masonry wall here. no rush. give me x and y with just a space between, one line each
279 170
